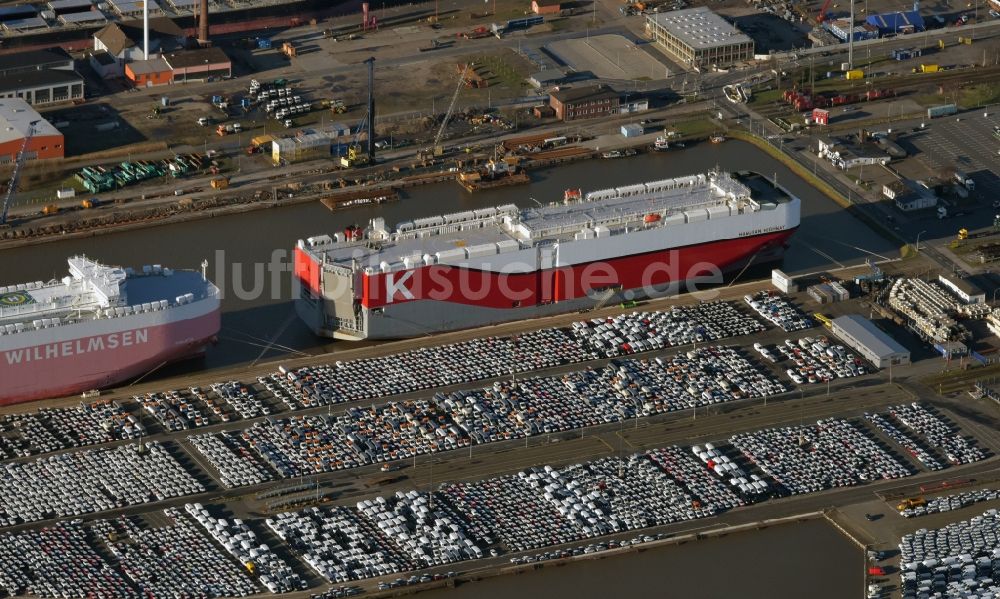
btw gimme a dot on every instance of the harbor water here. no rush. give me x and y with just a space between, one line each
806 559
249 254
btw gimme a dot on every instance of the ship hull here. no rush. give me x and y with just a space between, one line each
448 299
104 353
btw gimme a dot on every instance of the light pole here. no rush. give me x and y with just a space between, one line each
918 239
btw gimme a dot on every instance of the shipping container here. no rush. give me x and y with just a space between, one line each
783 282
854 74
840 293
821 293
941 110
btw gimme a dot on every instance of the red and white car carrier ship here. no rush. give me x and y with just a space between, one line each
500 264
100 326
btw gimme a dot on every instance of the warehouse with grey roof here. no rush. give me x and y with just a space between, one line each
698 37
874 345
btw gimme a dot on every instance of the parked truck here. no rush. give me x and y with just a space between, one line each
964 180
228 129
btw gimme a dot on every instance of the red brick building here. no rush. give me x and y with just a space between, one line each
587 102
15 117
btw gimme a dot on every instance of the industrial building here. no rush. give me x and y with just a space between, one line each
40 76
861 334
16 117
908 196
104 64
548 78
897 23
966 290
124 40
42 87
309 146
633 130
587 102
148 73
699 38
842 30
845 155
35 60
61 7
634 105
199 64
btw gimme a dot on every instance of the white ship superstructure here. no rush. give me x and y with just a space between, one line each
98 326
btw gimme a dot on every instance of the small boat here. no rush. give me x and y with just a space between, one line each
661 144
717 139
619 153
679 144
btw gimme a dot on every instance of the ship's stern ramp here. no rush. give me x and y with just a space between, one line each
327 299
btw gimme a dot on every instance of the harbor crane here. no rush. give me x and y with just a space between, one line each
436 145
12 185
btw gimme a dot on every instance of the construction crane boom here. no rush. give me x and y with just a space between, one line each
822 14
451 107
12 186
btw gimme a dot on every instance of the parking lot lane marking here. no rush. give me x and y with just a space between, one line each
611 449
625 441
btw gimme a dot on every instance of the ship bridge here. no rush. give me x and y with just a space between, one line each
94 290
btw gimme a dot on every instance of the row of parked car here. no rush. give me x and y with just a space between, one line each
942 435
58 562
508 409
584 549
779 310
174 560
57 429
91 480
241 542
705 322
815 360
904 440
236 464
947 503
810 458
430 367
339 543
961 559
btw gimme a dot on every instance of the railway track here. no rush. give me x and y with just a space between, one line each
900 83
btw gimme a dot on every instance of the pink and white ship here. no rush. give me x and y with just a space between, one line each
100 326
